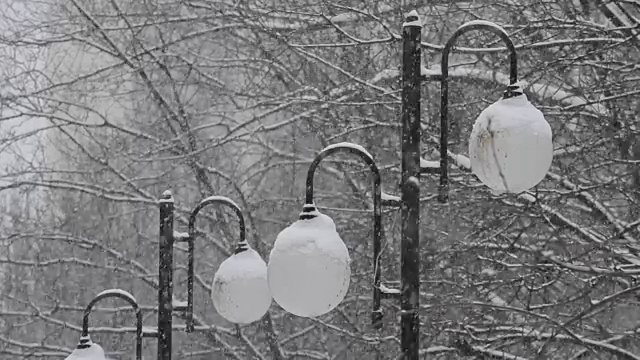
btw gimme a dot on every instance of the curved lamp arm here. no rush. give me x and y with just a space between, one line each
309 207
512 89
117 293
240 247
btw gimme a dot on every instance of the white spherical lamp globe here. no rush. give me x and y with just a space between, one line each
309 266
87 350
240 291
511 146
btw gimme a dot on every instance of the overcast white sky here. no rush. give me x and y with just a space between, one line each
14 61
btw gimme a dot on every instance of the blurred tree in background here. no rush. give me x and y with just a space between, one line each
106 104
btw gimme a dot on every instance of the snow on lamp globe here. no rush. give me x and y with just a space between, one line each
511 146
240 290
309 266
87 350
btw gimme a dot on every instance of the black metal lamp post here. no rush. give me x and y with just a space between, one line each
313 226
411 133
87 350
411 171
165 284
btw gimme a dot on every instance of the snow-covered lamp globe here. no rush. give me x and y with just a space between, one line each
87 350
511 146
240 290
309 266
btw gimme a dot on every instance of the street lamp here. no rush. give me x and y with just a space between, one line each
242 275
309 266
510 149
308 273
87 349
240 290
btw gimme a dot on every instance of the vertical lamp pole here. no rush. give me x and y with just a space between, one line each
410 188
165 277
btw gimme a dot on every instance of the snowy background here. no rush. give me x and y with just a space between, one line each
106 104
